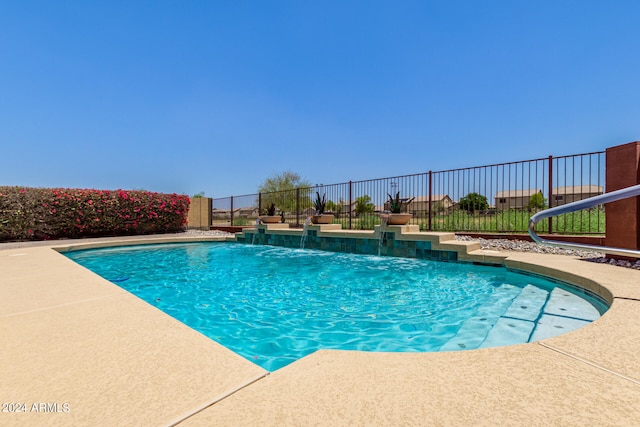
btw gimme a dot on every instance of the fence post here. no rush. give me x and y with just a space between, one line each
231 213
298 207
350 202
430 201
550 220
259 204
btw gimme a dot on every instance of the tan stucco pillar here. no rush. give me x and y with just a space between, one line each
199 213
623 216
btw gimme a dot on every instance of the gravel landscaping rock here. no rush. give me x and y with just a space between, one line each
526 246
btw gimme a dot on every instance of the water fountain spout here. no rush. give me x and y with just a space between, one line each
384 219
305 231
253 239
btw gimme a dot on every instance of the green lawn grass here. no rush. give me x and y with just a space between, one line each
590 221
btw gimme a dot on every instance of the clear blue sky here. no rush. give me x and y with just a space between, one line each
215 96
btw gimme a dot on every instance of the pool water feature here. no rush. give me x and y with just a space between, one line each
274 305
383 232
305 232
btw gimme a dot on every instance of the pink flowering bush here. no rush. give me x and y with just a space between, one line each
53 213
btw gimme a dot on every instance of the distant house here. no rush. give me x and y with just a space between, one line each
247 212
564 195
404 206
223 213
219 213
419 206
514 199
439 203
346 208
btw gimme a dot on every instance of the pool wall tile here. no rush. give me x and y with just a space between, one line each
393 242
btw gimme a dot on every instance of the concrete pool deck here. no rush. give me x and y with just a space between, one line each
79 350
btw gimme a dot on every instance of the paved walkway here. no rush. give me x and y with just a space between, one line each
79 350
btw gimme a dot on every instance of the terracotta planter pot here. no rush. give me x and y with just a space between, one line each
322 219
399 218
267 219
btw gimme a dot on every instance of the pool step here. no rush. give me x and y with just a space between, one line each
528 314
517 323
563 313
528 305
564 303
475 329
550 326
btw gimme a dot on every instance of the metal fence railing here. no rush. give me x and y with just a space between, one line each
497 198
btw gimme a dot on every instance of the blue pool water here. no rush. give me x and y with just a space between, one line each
274 305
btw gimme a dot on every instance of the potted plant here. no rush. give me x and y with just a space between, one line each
396 205
270 217
320 204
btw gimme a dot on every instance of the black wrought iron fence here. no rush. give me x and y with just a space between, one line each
497 198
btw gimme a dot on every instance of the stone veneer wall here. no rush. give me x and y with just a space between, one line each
357 244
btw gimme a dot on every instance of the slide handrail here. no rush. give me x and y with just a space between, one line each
585 204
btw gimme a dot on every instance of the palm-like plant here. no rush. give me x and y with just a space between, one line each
395 203
271 210
320 204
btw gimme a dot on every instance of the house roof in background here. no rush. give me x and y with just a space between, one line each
517 193
579 189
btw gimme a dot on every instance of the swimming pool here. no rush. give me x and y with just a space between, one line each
274 305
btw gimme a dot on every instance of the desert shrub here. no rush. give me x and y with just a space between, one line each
473 202
364 205
536 202
45 213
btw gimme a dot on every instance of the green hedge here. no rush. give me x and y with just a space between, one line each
54 213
